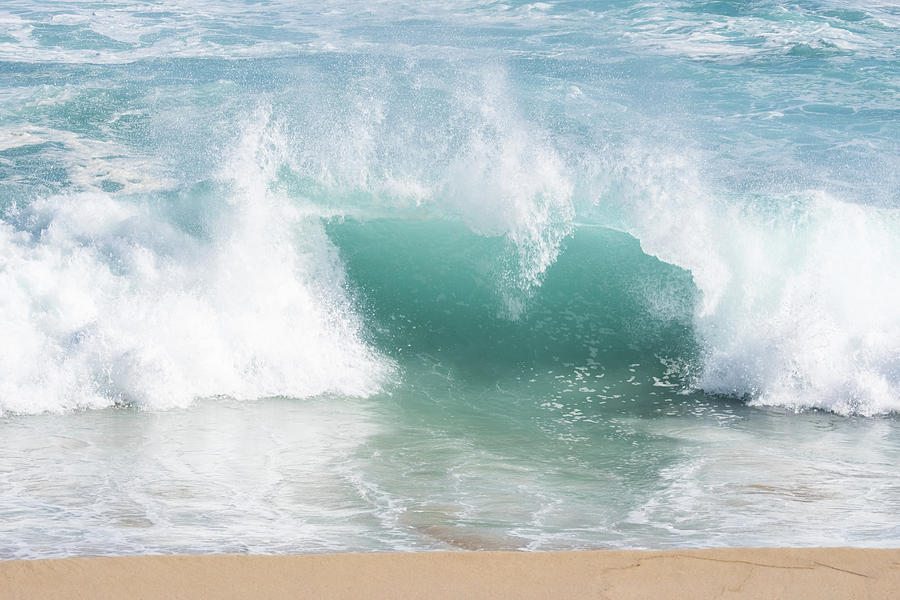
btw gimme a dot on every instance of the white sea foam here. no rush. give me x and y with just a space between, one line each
107 301
132 30
671 29
800 293
89 163
811 315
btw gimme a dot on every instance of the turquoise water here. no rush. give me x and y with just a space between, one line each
279 278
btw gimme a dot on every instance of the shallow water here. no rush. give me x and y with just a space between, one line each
422 276
414 472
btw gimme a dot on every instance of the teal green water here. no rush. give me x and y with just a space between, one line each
597 309
279 278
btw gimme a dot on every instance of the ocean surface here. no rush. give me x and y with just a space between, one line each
286 276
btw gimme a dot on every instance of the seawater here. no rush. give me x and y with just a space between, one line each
279 277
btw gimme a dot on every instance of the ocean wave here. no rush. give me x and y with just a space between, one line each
170 225
118 298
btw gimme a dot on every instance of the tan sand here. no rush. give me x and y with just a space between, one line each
818 573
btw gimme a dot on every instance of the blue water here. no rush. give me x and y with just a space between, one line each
279 277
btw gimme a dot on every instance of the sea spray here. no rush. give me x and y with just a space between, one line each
509 181
798 294
109 302
411 146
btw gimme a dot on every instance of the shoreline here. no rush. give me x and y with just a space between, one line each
821 573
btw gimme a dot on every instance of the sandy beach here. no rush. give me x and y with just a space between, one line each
820 573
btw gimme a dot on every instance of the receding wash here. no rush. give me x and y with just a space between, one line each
284 276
